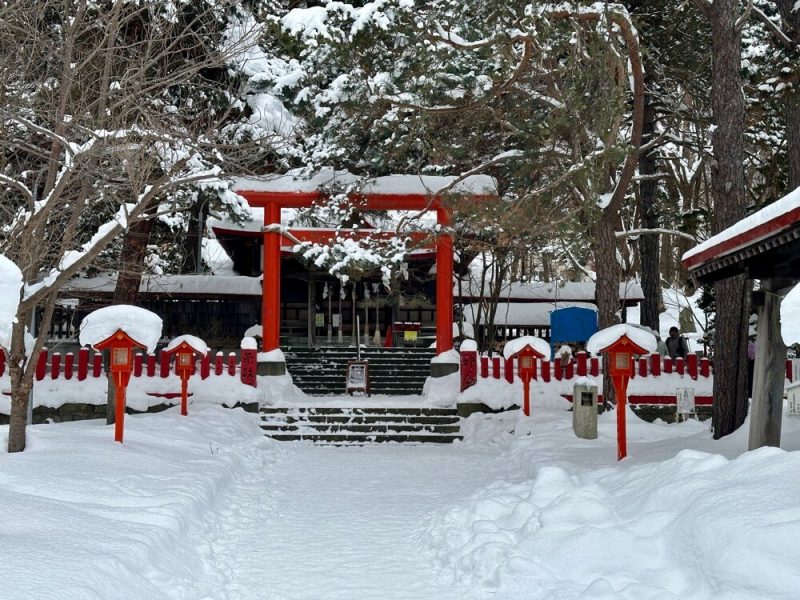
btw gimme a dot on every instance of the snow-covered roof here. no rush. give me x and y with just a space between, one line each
290 217
538 291
767 222
298 181
524 314
10 285
139 323
194 341
175 285
516 345
605 337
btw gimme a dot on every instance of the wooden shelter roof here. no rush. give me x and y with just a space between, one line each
764 245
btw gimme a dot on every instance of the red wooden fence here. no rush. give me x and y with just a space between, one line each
652 366
90 364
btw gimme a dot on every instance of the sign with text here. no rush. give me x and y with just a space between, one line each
336 319
357 379
319 319
685 400
793 396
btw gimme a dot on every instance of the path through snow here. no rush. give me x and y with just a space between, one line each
327 523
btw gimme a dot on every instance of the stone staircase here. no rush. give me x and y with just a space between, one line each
359 426
392 371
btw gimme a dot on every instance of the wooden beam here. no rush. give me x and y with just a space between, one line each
364 202
421 239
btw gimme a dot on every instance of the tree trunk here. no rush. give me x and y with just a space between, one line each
606 291
20 390
194 235
131 265
732 295
790 15
22 370
649 244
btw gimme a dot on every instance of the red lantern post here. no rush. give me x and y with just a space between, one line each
184 354
120 346
621 363
526 361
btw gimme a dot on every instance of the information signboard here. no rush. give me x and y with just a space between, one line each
685 399
357 379
793 396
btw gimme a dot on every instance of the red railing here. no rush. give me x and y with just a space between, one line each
650 367
89 364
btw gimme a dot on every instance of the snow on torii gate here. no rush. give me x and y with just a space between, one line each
765 246
393 192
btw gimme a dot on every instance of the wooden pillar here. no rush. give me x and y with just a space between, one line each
444 285
312 316
271 287
768 371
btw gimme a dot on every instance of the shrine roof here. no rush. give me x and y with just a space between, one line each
548 291
520 314
734 249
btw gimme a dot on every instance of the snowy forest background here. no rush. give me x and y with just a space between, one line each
619 134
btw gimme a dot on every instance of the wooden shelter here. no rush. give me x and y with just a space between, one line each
764 246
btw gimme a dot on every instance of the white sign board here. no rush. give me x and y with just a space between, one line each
795 370
337 320
793 396
357 376
685 399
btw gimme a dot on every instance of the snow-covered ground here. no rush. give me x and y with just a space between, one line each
204 507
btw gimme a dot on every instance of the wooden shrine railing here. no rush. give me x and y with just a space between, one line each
89 364
651 368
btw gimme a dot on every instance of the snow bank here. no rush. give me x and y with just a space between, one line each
195 342
139 323
442 391
10 285
694 526
276 355
449 357
104 520
280 390
516 345
605 337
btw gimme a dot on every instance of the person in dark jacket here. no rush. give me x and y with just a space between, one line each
676 344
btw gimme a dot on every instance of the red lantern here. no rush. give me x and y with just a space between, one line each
184 365
620 367
120 347
526 361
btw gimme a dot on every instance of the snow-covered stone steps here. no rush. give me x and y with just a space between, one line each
393 371
330 425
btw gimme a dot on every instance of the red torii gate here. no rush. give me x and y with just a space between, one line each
273 201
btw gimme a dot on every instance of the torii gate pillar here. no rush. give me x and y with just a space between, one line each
271 292
444 285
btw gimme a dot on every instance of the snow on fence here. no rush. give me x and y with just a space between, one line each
651 369
89 364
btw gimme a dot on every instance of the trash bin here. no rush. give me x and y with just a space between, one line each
584 411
